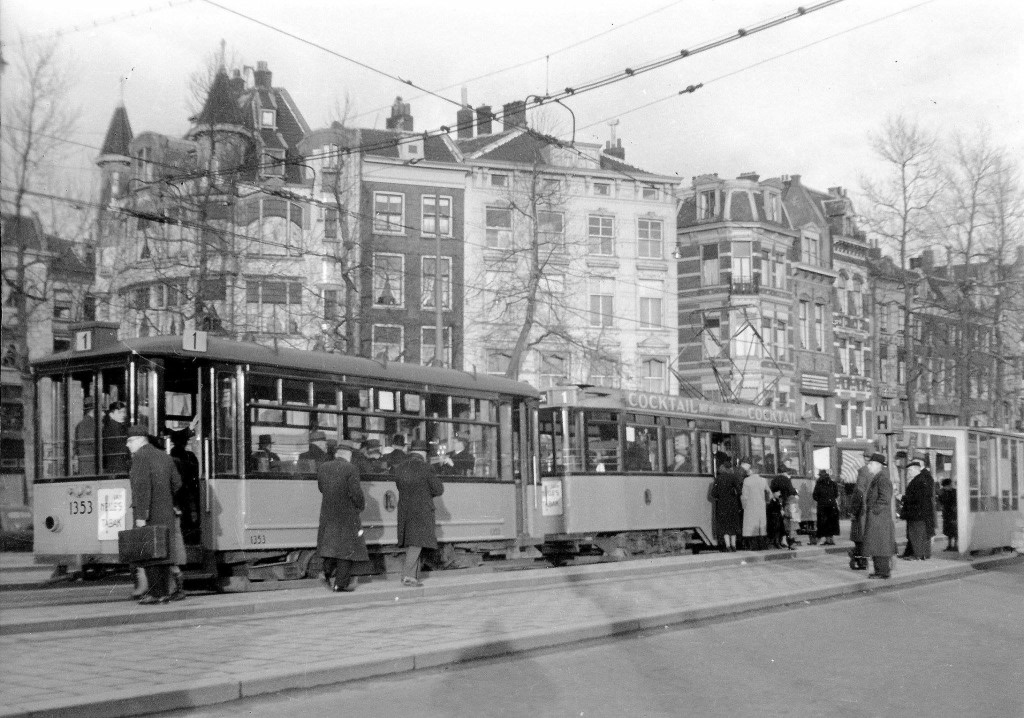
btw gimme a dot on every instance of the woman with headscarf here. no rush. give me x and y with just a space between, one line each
826 496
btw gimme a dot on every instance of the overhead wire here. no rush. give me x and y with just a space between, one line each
109 21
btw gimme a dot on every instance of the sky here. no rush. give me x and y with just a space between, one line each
801 98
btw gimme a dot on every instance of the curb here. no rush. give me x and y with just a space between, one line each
127 703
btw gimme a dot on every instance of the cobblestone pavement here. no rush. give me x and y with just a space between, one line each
132 669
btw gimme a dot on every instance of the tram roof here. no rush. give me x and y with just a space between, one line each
234 352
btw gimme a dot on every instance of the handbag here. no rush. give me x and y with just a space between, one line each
143 544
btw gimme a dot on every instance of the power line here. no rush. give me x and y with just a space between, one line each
110 20
329 51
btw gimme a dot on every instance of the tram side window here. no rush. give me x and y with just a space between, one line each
114 422
83 413
550 448
53 439
681 449
1005 472
790 458
602 441
762 454
225 431
640 452
973 472
1016 456
988 500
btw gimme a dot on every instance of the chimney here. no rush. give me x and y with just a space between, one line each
401 117
514 114
750 176
483 120
927 260
237 83
464 118
794 179
262 76
616 150
837 192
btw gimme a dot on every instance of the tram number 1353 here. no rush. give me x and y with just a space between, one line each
80 507
255 539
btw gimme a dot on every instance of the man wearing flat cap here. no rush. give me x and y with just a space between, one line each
154 481
879 528
317 454
919 511
339 539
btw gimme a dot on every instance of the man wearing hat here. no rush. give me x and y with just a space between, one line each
85 438
154 481
368 459
339 538
317 454
919 511
263 459
418 485
397 455
858 562
879 529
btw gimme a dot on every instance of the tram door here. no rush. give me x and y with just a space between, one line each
183 429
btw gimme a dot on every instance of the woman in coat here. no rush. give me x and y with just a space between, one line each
947 500
417 484
339 539
919 511
725 493
754 498
826 496
879 529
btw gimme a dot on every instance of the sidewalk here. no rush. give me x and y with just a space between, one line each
213 649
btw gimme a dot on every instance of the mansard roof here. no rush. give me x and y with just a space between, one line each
383 143
119 134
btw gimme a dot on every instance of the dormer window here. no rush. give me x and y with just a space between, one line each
267 118
499 180
650 193
773 207
707 204
273 163
602 189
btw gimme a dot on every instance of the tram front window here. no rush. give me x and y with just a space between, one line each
791 460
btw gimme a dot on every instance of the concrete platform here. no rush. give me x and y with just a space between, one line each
119 659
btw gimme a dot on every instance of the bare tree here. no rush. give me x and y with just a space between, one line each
900 211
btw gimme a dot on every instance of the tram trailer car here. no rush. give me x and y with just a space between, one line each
254 512
630 472
986 467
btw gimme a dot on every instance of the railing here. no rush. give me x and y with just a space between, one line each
745 286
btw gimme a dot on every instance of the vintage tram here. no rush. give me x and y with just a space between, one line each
631 472
238 403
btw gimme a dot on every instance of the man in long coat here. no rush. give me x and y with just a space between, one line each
857 513
417 484
919 511
339 539
754 498
879 528
154 481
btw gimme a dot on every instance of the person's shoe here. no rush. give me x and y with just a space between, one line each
878 575
908 558
411 582
151 600
139 595
178 595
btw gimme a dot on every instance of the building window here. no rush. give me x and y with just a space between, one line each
551 185
819 327
814 408
499 180
272 163
742 271
858 307
858 420
844 419
855 358
650 313
709 271
773 207
707 204
267 118
437 215
553 368
810 253
604 372
602 189
649 238
63 304
332 305
388 212
650 193
781 341
744 343
601 310
712 337
601 231
805 324
843 357
388 280
652 375
387 342
499 228
429 278
551 229
498 362
12 408
273 307
331 224
144 164
428 345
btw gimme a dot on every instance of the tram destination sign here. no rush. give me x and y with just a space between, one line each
686 406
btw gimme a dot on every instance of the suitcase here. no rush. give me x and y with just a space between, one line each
144 544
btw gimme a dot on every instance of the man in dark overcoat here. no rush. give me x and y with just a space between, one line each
154 480
317 454
417 484
857 513
919 511
879 528
339 539
397 454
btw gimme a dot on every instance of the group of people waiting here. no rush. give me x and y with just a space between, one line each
753 513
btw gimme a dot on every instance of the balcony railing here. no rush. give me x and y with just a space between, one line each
750 285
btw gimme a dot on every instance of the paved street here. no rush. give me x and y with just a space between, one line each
216 655
942 649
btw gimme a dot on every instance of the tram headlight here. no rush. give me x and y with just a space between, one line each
52 523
